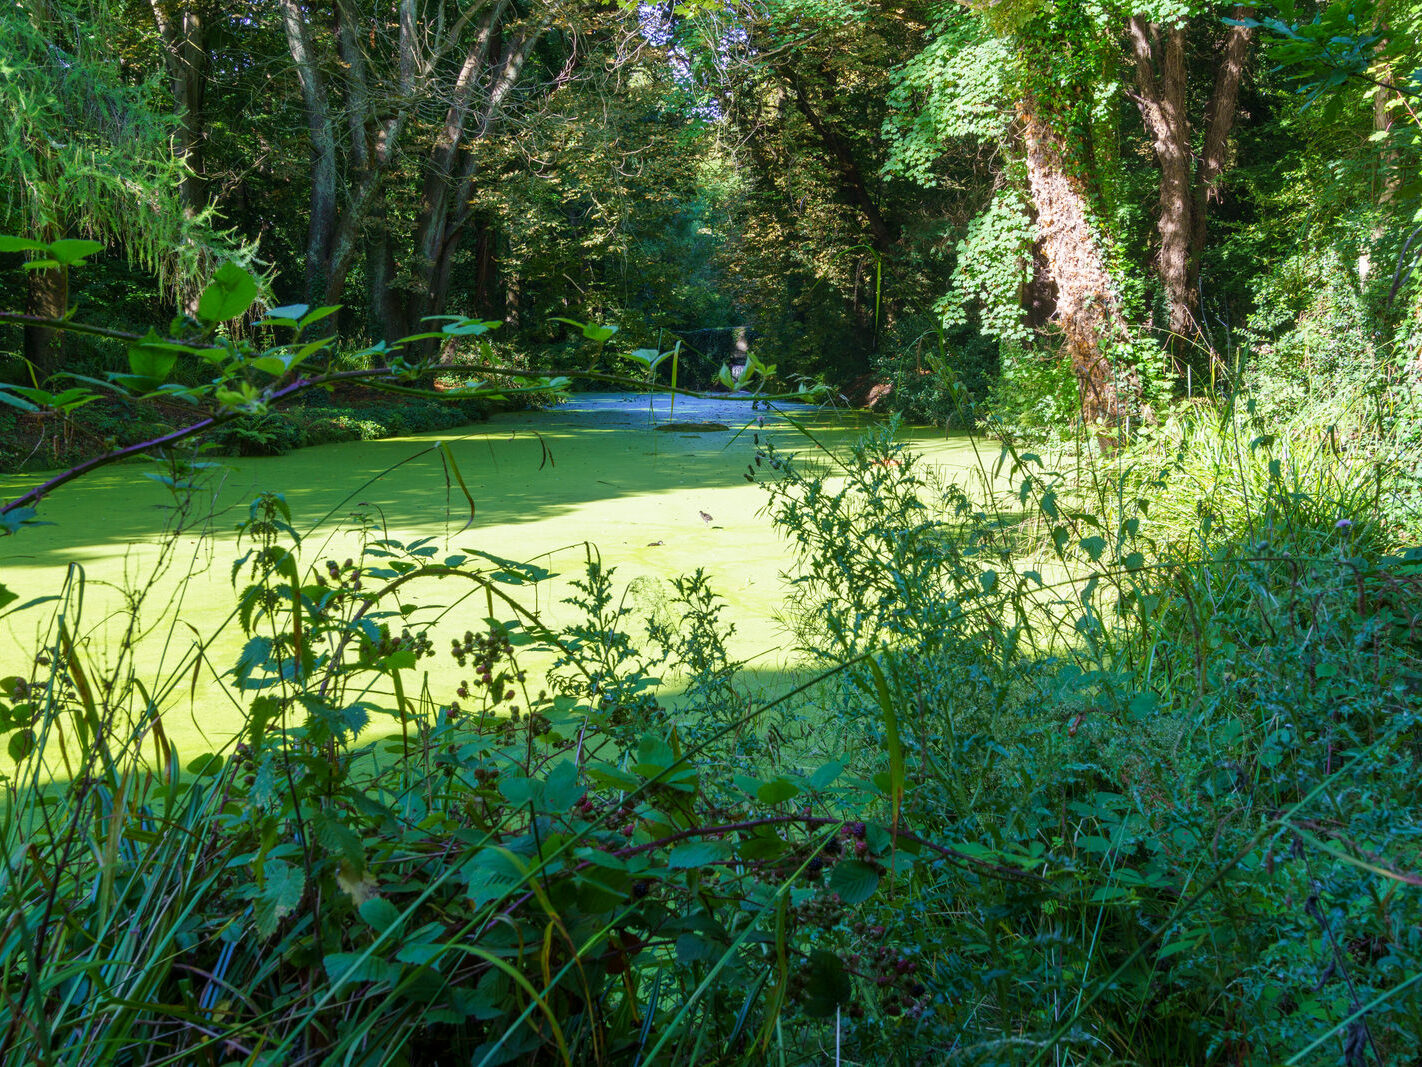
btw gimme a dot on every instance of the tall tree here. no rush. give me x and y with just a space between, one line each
369 92
182 27
1188 173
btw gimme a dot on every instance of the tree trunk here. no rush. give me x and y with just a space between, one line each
487 296
852 179
1161 98
440 167
184 38
383 311
46 296
1158 53
1088 307
1220 112
429 298
322 225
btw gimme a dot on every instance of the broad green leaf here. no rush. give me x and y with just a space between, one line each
825 775
206 765
562 787
276 366
380 914
698 854
520 791
777 791
343 968
229 294
71 251
20 244
290 312
21 744
149 361
690 948
827 985
465 328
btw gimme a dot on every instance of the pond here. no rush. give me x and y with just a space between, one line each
547 485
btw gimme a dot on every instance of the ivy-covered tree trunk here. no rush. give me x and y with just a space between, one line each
1088 306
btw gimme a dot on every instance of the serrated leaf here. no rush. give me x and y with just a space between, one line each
339 839
282 888
854 881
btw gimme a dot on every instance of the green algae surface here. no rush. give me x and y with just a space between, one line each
549 487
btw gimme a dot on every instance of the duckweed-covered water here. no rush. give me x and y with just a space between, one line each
547 485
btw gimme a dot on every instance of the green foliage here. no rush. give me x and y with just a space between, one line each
993 262
952 89
1081 735
1034 396
96 157
510 876
1181 686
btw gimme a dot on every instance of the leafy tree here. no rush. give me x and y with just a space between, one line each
88 155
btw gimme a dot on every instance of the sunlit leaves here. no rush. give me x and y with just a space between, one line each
230 293
151 361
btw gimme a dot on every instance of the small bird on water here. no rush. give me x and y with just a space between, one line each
705 518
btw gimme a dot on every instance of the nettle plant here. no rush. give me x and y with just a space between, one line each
373 872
